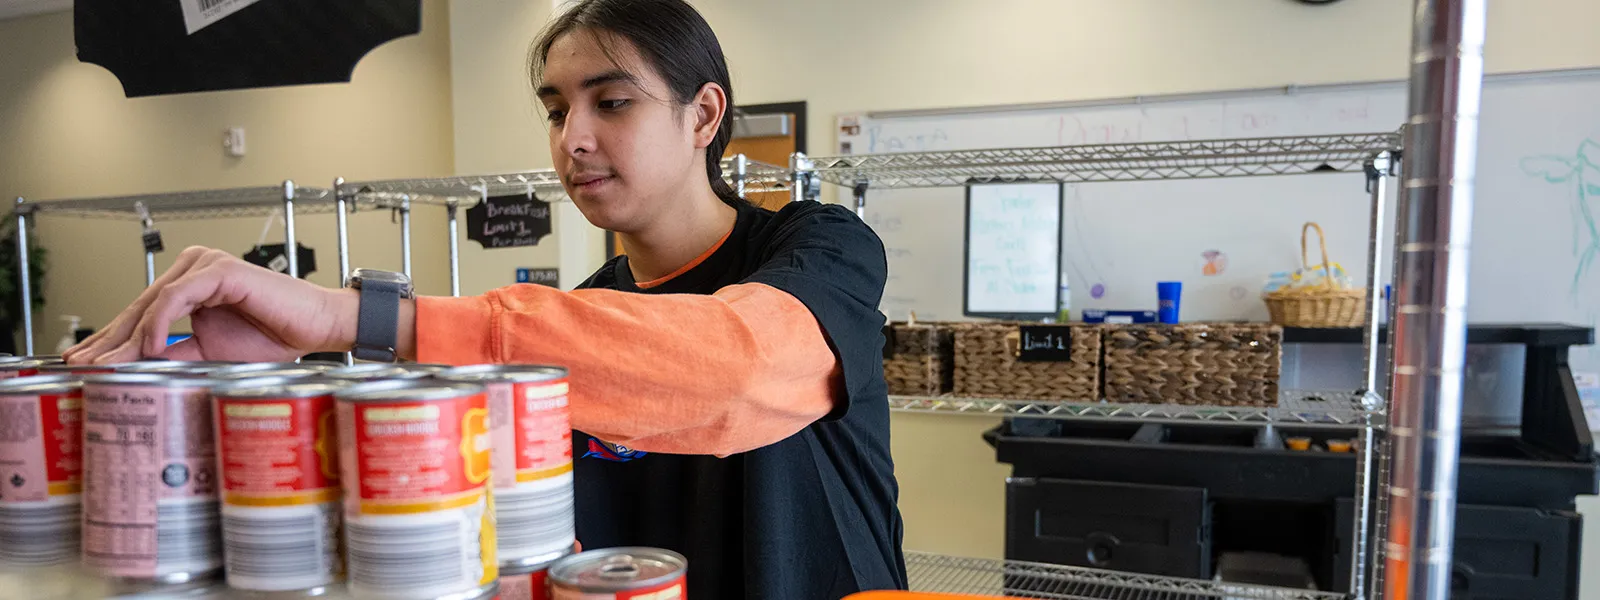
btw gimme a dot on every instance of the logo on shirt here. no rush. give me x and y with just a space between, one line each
611 452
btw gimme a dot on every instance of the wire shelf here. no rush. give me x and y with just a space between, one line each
1111 162
1306 408
179 206
759 177
1014 579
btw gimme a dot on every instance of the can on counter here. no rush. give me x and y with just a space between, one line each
150 479
283 369
174 367
42 451
381 371
528 580
26 366
531 458
620 574
278 457
419 518
78 370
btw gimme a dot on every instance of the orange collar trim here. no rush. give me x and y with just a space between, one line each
645 285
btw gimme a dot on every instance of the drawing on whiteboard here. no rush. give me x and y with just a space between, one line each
1083 245
1583 170
1213 263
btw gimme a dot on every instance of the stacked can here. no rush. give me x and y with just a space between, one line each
531 459
26 366
419 521
149 483
41 436
278 453
620 574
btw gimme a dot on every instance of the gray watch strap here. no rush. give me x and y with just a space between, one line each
378 321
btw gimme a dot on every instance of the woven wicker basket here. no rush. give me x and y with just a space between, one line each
1217 364
987 365
1330 306
919 359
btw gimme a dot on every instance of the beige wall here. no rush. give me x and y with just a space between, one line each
66 130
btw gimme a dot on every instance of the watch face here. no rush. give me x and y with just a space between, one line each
358 276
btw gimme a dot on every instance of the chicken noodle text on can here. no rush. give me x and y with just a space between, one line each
419 520
41 449
285 369
150 478
620 574
528 580
531 457
26 366
382 371
174 367
278 453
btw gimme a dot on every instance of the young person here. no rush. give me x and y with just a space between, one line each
728 395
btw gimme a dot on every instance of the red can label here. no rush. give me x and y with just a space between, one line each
671 590
280 452
416 475
527 586
149 481
40 447
532 467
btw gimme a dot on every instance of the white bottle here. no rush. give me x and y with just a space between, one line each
70 338
1064 307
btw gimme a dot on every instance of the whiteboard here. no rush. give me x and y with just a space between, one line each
1013 250
1535 239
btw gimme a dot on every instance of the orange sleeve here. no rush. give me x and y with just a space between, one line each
671 373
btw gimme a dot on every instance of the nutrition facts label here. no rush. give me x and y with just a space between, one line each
149 478
123 465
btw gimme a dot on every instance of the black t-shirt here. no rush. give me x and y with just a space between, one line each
812 517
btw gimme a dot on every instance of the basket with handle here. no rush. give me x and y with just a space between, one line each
1323 306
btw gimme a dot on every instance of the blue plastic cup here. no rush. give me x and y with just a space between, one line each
1169 294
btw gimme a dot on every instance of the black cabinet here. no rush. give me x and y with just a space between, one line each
1501 553
1162 530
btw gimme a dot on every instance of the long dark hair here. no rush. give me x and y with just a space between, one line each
674 39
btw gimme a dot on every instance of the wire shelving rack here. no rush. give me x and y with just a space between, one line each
1373 154
1015 579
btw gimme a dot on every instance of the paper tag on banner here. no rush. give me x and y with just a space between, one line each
198 14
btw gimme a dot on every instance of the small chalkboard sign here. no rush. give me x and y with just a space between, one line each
509 221
1045 343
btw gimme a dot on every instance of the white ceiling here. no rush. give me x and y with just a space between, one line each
11 9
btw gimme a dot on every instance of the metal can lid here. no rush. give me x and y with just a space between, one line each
15 363
174 367
618 568
177 380
374 371
517 373
407 389
40 384
64 368
277 387
283 369
533 564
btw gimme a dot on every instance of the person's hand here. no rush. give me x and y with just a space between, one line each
239 312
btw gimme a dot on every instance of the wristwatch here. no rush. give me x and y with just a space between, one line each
378 318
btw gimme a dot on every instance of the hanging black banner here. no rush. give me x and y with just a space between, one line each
272 256
180 46
509 221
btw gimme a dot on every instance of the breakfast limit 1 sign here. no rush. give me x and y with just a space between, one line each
509 221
